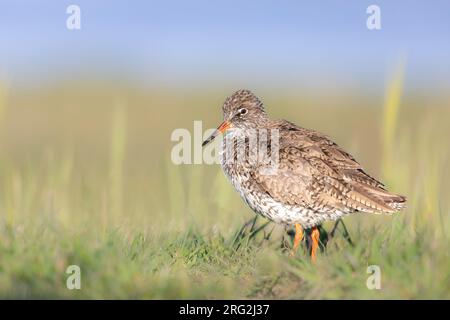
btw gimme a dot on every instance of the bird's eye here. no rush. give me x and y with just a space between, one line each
242 111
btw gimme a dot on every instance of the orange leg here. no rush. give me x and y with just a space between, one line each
298 237
315 243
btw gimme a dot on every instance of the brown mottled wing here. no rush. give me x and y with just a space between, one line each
316 173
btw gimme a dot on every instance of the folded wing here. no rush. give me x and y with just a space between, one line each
314 172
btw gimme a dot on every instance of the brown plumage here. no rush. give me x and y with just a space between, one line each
321 175
315 180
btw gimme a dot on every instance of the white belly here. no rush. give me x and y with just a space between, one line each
263 204
276 211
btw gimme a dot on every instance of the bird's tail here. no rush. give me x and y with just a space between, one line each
381 200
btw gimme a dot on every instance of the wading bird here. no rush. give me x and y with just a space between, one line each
315 180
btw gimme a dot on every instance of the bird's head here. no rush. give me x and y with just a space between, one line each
241 110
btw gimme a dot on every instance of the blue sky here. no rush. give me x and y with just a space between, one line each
258 40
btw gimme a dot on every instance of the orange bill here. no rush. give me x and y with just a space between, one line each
224 126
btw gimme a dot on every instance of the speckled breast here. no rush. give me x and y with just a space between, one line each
238 171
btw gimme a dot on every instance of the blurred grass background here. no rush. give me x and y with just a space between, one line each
86 179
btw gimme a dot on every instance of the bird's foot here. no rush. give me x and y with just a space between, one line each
315 236
297 239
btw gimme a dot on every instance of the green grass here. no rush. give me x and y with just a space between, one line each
88 181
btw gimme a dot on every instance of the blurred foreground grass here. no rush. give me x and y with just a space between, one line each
86 179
